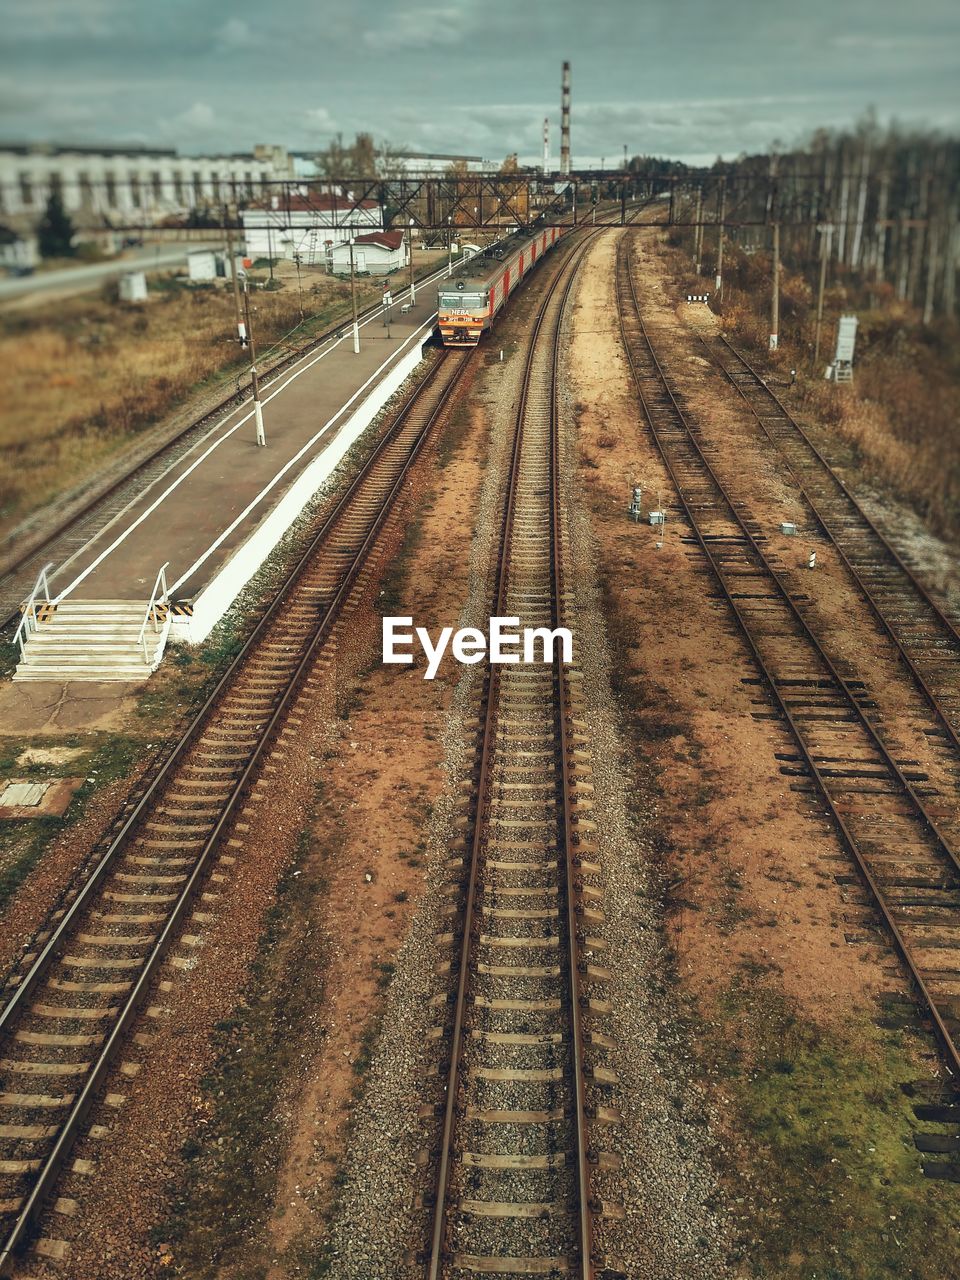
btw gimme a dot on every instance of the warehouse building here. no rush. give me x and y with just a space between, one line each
115 186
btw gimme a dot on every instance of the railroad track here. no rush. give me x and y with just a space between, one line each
902 835
70 1007
515 1174
927 640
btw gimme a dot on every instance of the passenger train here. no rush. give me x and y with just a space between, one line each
470 299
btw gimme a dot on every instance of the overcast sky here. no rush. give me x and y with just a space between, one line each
685 78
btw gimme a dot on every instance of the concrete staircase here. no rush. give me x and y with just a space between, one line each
93 640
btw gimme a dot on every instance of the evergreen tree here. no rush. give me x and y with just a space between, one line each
55 232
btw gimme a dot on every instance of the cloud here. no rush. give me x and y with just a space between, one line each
319 118
31 21
199 118
420 28
235 34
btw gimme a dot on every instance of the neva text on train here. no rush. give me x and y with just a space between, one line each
503 641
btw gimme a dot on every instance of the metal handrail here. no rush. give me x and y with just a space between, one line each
161 581
29 621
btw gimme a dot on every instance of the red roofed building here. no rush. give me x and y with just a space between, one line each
374 253
306 223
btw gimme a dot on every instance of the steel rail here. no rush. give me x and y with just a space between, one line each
570 840
69 1130
233 401
949 1047
887 549
479 835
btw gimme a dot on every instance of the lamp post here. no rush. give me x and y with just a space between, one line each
413 286
449 245
257 407
353 303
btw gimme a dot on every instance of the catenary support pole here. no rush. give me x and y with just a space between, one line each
232 260
353 303
257 406
775 291
413 283
718 283
826 235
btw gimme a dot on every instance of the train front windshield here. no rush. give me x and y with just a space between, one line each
456 301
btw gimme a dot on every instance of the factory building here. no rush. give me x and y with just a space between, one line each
114 186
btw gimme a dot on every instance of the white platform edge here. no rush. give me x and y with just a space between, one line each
220 593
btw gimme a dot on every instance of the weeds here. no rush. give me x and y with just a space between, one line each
86 377
826 1182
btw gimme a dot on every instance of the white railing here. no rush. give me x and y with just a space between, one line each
159 586
29 622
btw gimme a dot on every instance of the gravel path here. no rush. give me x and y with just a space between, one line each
667 1181
377 1225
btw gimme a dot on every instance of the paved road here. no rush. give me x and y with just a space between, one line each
81 279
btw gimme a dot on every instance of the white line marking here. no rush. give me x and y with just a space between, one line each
283 381
297 456
94 564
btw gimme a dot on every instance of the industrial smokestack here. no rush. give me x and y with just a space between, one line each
565 121
546 145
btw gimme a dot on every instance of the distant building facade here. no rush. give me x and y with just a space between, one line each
113 186
306 224
436 162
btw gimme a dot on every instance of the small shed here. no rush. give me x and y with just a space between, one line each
133 287
376 253
204 264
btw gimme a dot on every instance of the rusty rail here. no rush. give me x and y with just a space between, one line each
628 304
71 1125
586 1205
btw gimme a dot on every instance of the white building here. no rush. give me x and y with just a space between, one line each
437 162
115 186
305 223
377 253
17 253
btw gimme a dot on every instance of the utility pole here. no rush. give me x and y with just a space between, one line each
257 407
353 303
449 246
697 232
232 259
826 236
413 284
718 283
775 299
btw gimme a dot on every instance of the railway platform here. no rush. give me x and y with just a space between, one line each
180 551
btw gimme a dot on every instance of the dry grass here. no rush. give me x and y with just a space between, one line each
84 376
901 414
